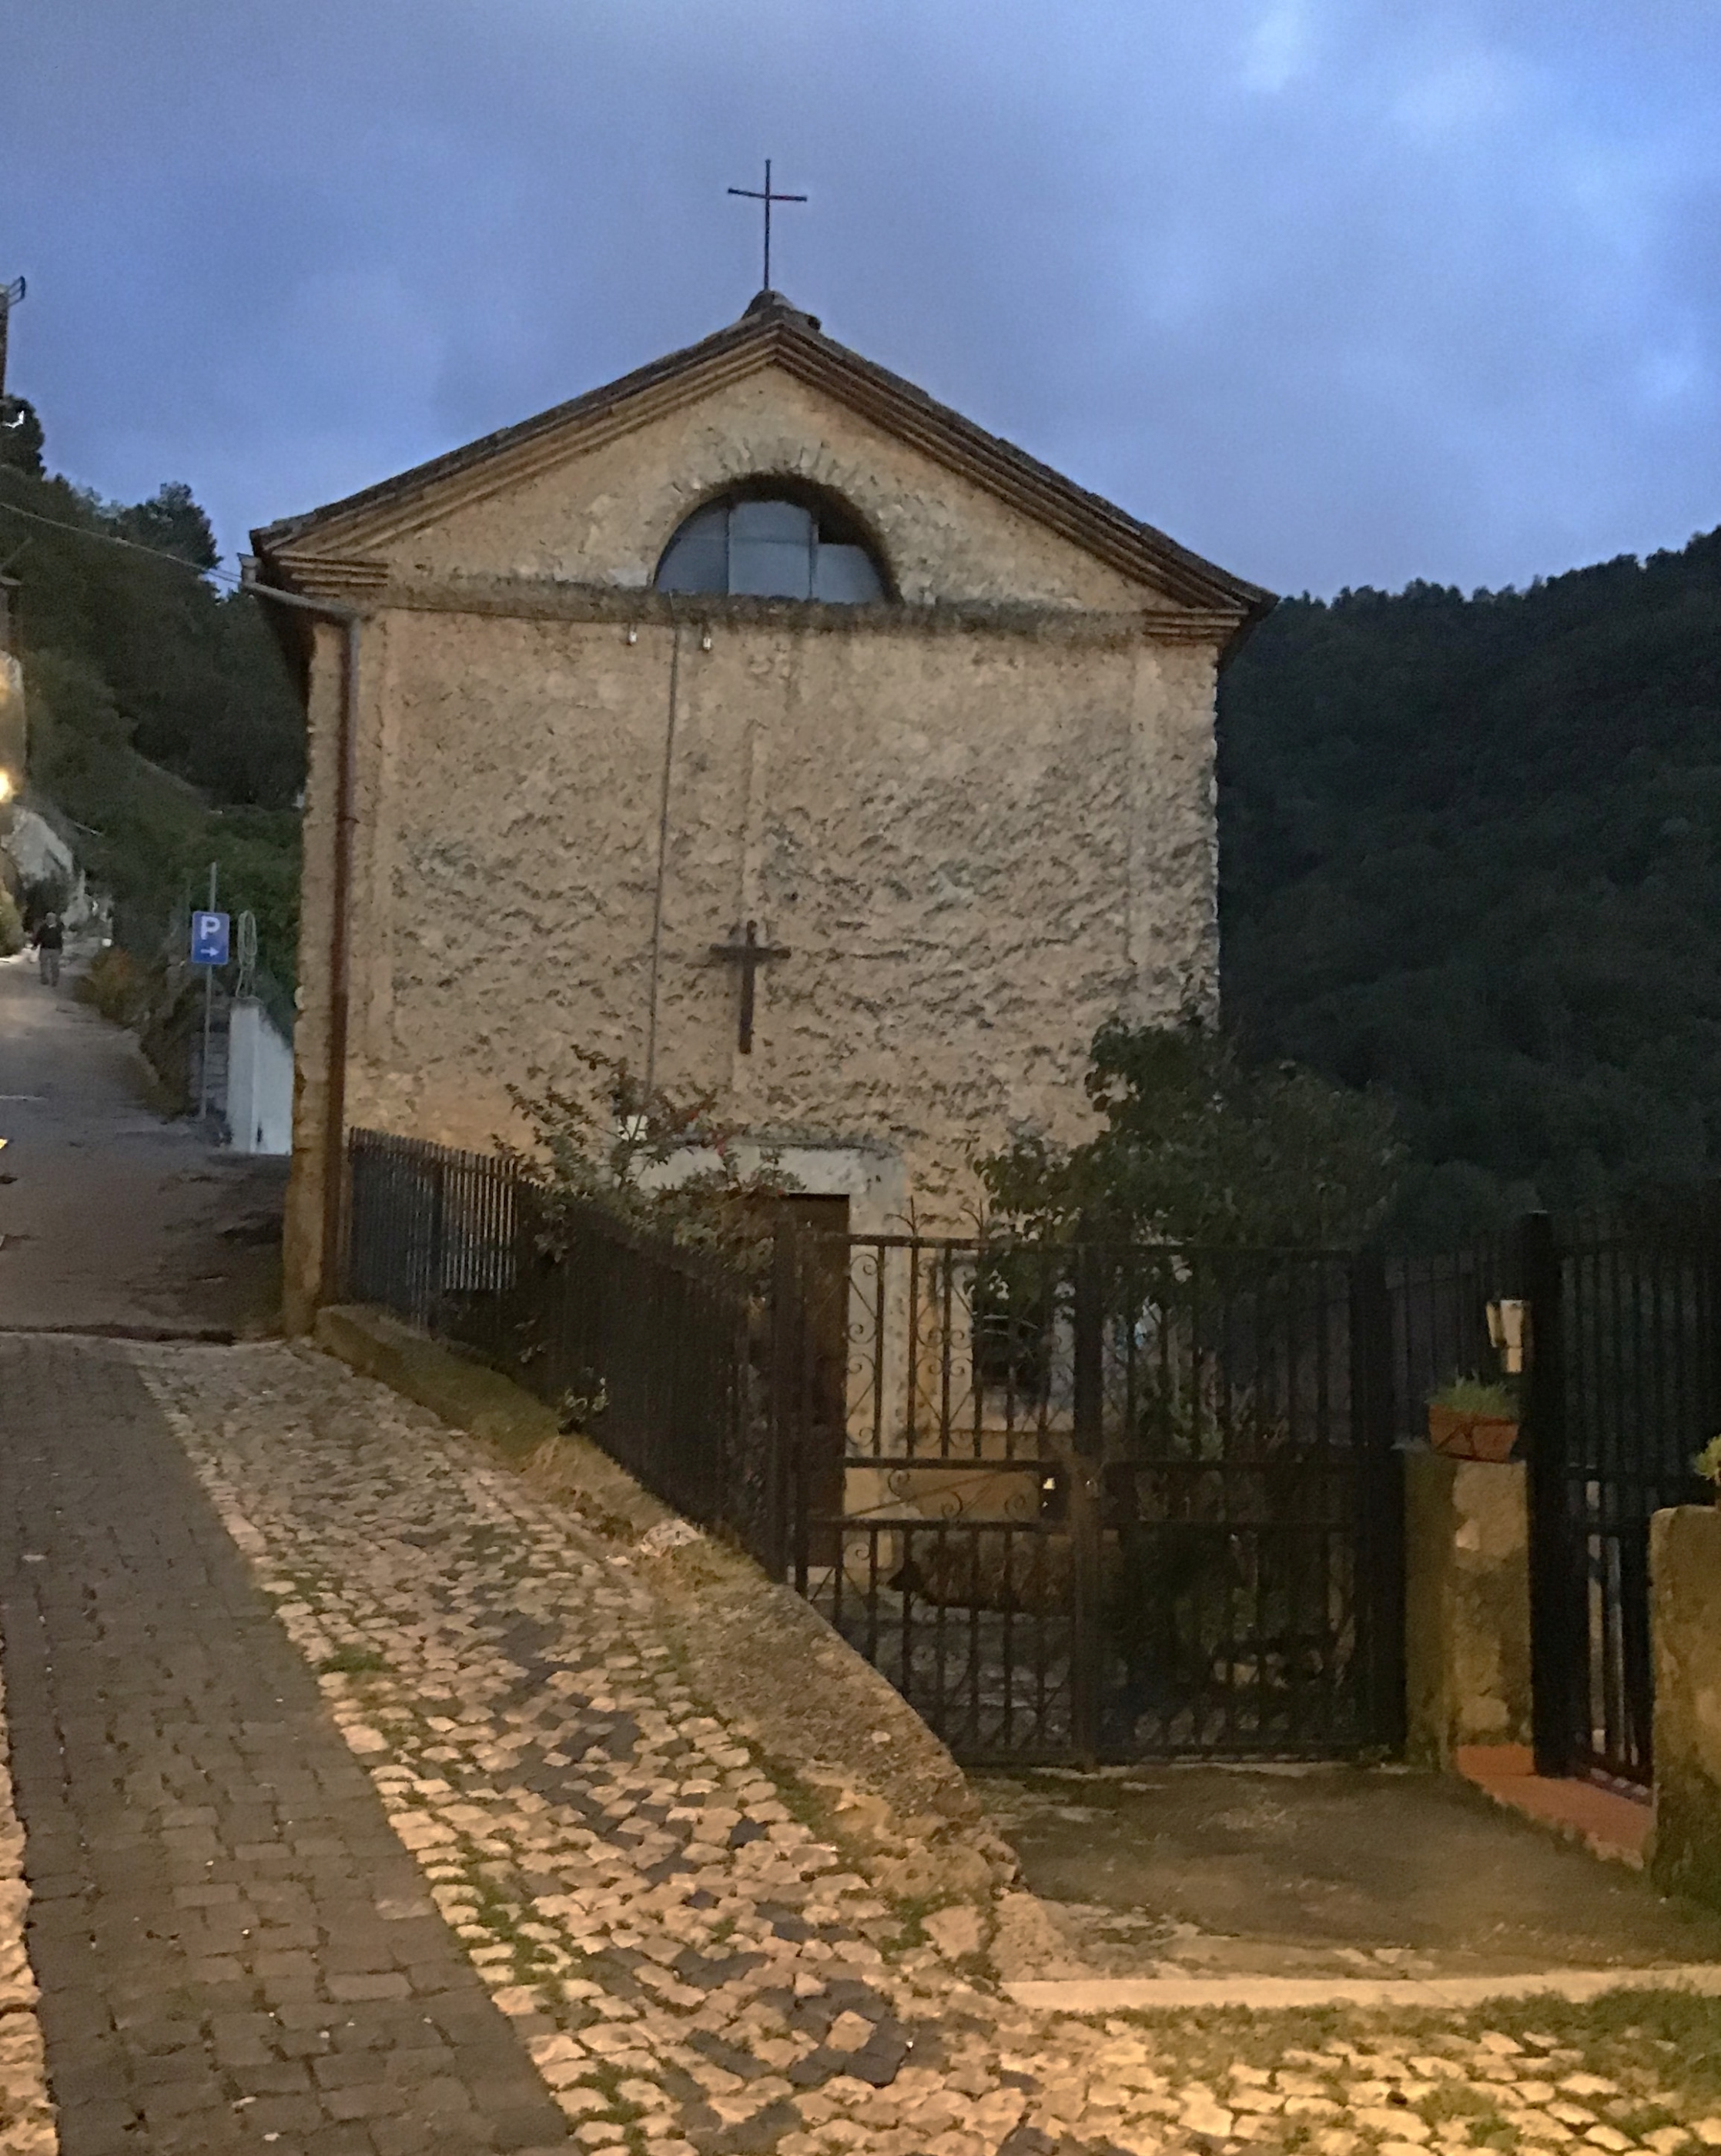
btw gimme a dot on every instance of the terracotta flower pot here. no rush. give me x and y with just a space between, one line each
1462 1435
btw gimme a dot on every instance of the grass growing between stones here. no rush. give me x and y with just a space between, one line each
352 1662
1641 2062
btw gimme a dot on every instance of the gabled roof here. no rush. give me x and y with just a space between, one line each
772 333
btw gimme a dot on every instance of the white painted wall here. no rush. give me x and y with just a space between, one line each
260 1082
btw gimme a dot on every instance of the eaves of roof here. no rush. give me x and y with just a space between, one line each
772 333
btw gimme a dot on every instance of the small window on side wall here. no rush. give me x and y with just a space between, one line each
767 545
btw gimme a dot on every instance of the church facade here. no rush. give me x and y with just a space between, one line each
759 723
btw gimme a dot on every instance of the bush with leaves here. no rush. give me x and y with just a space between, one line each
661 1161
1200 1146
116 983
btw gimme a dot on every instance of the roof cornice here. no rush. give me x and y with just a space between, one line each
772 333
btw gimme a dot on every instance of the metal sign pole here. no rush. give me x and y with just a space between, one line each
208 1018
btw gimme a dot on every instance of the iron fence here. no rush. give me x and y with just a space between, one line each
1101 1502
1095 1501
1076 1503
1625 1387
656 1353
1440 1323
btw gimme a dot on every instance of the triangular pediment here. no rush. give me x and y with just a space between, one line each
349 540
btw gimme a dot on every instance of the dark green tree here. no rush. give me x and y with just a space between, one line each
171 522
1199 1146
20 436
1471 851
162 716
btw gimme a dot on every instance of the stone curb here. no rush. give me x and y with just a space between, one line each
765 1662
26 2108
1277 1993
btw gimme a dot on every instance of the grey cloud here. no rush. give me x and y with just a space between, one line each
1336 290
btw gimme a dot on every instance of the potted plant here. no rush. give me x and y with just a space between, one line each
1471 1419
1708 1464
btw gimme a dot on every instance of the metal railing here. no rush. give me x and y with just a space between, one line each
1440 1323
1101 1502
1086 1501
654 1352
1075 1502
1625 1387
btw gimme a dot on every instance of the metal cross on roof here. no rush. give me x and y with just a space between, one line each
746 951
753 194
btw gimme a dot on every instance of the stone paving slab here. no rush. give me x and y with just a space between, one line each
234 1950
694 1970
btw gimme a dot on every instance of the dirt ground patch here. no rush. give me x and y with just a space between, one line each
1334 1870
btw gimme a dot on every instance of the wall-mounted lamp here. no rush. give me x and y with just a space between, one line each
632 636
705 641
1506 1334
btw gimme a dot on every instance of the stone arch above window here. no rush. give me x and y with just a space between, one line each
766 541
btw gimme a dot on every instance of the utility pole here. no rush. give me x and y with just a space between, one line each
208 1018
10 295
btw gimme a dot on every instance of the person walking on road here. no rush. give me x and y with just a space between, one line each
50 940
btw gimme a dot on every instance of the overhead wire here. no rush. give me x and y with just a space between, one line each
113 539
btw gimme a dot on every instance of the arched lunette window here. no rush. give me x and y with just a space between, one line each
769 545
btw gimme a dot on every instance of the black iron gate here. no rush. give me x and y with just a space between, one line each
1076 1503
1624 1387
1100 1503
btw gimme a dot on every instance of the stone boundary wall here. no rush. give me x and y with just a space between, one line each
26 2113
1685 1574
1466 1605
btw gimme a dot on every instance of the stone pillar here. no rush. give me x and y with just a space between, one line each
13 733
1685 1604
1467 1604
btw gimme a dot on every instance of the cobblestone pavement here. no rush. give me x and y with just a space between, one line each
692 1967
233 1949
26 2116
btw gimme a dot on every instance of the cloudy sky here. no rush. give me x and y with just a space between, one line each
1336 291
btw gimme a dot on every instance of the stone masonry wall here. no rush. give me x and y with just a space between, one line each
11 719
1685 1573
940 833
982 822
607 518
1467 1627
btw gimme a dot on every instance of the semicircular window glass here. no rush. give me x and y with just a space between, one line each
766 547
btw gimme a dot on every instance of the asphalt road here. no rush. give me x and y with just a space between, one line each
115 1217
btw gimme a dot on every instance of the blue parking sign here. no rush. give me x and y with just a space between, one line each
209 939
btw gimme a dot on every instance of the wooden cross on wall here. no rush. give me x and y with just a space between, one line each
744 949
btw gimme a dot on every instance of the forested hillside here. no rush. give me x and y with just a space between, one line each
162 721
1471 856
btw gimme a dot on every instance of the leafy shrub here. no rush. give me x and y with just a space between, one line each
1201 1147
117 985
1476 1396
659 1161
12 927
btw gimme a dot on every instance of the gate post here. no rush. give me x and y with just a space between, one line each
784 1533
1087 1421
1554 1642
1380 1506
